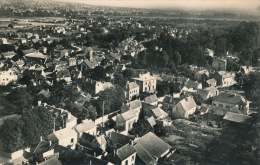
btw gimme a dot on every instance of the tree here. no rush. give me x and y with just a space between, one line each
11 135
112 98
160 130
19 97
119 80
128 74
98 73
140 128
37 122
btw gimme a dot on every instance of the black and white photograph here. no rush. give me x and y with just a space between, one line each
129 82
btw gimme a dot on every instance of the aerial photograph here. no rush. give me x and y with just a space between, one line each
129 82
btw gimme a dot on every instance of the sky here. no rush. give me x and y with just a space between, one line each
245 5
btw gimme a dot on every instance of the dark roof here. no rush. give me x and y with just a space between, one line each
63 73
153 144
51 161
144 155
119 139
229 98
125 151
42 147
87 136
237 118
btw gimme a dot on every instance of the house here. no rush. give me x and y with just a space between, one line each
92 142
117 140
52 161
194 85
62 118
160 117
198 74
219 64
231 102
8 54
132 90
225 79
8 76
208 92
246 69
75 74
35 57
72 62
151 121
146 82
42 150
151 100
65 137
94 87
126 120
211 82
86 65
237 119
135 105
87 126
3 40
150 144
184 108
64 53
63 75
125 155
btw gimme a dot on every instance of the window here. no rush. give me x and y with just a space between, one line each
133 158
72 140
177 108
214 104
126 162
227 106
220 105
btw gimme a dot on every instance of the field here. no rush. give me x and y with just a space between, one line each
190 141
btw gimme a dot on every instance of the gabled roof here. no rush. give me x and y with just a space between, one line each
203 93
44 93
230 98
42 147
131 85
159 113
155 146
82 127
237 118
36 55
134 104
151 99
151 121
126 116
211 81
144 155
119 139
188 103
125 151
6 54
27 51
52 161
63 73
62 134
192 84
89 64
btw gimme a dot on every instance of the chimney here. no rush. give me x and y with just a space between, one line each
40 138
50 143
90 162
131 142
95 155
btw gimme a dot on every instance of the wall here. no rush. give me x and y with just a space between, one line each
131 161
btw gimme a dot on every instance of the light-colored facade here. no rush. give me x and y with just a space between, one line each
132 89
7 76
146 82
184 108
225 79
64 137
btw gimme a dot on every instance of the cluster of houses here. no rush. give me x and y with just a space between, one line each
87 141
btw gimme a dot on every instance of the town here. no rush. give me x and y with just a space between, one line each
82 84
